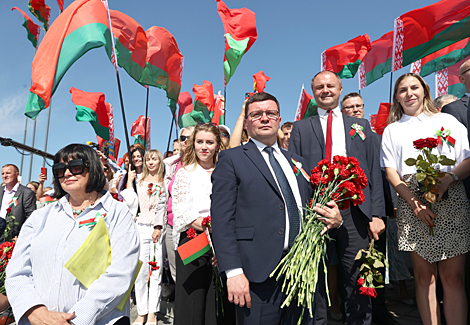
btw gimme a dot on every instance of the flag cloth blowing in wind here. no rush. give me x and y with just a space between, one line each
307 106
31 28
203 108
378 61
194 248
240 34
91 107
345 59
151 58
81 27
218 113
42 11
259 81
138 131
426 30
447 80
185 104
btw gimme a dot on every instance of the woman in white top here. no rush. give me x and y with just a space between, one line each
195 296
413 117
149 224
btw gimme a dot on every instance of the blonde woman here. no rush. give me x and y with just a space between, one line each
412 117
150 223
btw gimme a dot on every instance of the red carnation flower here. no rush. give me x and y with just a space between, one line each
8 210
315 179
360 281
191 233
206 222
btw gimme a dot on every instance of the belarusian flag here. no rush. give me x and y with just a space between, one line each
307 106
81 27
113 147
378 60
259 81
185 104
240 34
42 11
61 5
194 248
378 121
426 30
345 59
138 131
447 80
442 59
218 109
91 107
31 28
203 102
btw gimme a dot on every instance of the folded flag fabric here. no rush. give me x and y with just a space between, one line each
259 81
42 11
203 102
447 80
306 107
218 112
138 131
185 104
378 61
194 248
31 28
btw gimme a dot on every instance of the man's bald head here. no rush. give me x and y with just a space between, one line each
465 75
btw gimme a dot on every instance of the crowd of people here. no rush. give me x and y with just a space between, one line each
244 180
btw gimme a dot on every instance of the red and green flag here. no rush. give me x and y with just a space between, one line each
307 106
194 248
378 121
151 58
240 34
185 104
377 62
426 30
61 5
218 116
42 11
447 80
81 27
138 131
203 107
91 107
345 59
259 81
31 28
442 59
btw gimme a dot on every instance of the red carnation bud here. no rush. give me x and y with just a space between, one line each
360 281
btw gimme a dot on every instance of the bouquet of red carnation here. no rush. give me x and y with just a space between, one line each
427 173
10 219
6 250
372 260
342 181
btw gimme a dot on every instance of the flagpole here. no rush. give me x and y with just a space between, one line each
390 95
123 112
24 142
225 101
146 114
171 130
32 145
47 132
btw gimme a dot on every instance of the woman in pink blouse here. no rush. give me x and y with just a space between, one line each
149 224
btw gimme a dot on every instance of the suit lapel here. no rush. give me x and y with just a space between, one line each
318 131
347 127
465 99
2 191
251 150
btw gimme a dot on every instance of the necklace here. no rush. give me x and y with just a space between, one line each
79 211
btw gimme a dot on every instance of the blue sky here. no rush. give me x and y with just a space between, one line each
291 37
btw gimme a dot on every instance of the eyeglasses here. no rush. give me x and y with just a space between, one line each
149 191
183 138
76 167
225 134
354 106
271 114
464 72
209 123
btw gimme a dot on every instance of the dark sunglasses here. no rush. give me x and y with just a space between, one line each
76 167
209 123
183 138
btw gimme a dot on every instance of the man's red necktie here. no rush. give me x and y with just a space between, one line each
329 140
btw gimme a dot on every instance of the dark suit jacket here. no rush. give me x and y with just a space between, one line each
307 140
248 212
26 206
458 109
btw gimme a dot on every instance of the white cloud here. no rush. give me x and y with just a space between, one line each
12 116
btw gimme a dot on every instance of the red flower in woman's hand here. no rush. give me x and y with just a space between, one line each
206 222
8 210
191 233
360 281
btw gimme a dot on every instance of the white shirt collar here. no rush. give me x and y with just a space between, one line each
13 190
322 112
261 145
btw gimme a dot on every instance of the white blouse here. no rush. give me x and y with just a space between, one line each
398 137
191 193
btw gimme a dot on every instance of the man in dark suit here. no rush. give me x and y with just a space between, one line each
309 139
19 198
255 205
459 108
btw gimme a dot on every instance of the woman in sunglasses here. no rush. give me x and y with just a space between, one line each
195 299
40 288
150 221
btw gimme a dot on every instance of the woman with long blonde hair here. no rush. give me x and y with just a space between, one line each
438 237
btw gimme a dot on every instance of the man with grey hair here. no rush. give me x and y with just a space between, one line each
459 108
443 100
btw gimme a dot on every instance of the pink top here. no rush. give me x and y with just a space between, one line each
170 187
148 203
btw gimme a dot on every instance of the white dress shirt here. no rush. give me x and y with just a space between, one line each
7 196
291 178
337 133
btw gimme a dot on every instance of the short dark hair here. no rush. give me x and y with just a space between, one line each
176 140
287 125
260 97
96 178
350 95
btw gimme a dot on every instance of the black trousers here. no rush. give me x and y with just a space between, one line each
195 293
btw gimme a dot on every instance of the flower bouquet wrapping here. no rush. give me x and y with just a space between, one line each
427 173
342 181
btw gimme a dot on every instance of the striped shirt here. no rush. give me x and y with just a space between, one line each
36 274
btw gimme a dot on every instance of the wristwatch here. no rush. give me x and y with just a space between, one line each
456 178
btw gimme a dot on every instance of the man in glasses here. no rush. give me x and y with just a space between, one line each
255 204
353 105
19 198
459 108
